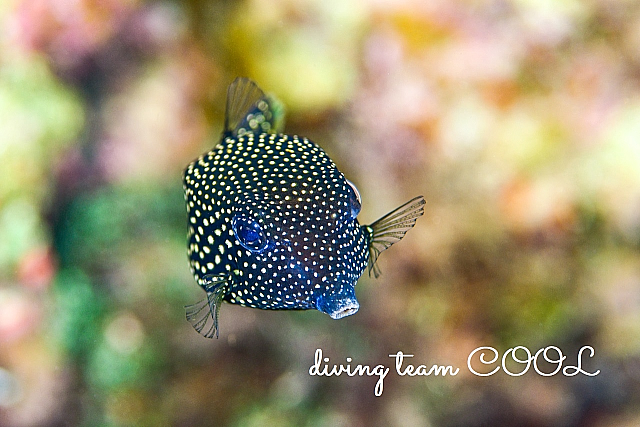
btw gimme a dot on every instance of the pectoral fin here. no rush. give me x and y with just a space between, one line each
391 228
203 315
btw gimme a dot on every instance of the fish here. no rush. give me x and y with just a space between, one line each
272 222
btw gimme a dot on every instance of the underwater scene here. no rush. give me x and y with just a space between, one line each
319 213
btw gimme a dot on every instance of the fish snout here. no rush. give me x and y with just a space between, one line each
339 304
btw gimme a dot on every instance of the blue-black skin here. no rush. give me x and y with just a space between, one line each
272 221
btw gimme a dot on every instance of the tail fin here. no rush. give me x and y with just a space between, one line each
250 110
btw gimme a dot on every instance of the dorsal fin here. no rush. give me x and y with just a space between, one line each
250 110
391 228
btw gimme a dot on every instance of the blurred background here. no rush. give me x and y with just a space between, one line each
518 120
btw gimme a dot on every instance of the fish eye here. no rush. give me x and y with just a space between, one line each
355 202
249 233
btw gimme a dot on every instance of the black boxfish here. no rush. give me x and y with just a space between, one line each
272 222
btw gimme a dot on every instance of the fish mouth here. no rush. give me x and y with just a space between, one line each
345 311
339 305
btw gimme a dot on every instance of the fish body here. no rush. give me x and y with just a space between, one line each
272 222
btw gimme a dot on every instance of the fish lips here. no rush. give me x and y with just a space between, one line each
339 304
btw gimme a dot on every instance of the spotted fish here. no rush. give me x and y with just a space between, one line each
272 223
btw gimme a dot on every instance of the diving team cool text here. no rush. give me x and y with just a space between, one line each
515 361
